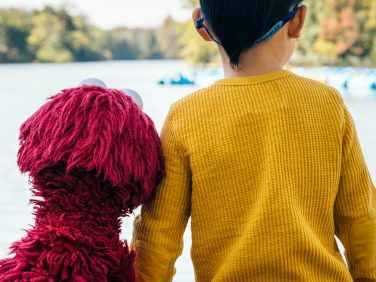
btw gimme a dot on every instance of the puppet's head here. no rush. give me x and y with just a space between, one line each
92 156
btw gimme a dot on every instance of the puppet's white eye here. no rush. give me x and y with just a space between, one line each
93 81
135 97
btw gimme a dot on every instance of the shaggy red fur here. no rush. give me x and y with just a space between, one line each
92 156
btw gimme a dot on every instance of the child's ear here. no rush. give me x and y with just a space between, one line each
297 23
195 16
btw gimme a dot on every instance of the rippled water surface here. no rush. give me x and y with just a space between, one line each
24 88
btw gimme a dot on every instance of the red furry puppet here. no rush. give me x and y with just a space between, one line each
92 156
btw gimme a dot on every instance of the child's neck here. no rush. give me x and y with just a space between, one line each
256 61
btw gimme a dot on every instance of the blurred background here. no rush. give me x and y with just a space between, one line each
153 48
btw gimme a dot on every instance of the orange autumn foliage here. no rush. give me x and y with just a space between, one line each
346 27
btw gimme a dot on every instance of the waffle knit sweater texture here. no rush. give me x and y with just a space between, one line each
269 168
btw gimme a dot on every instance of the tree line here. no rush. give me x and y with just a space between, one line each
53 35
337 33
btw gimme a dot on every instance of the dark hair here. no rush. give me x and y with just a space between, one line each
238 24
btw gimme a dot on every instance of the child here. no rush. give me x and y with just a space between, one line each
266 163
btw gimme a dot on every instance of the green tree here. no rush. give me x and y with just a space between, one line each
15 26
167 38
195 50
49 37
305 53
142 42
58 37
146 42
138 43
119 45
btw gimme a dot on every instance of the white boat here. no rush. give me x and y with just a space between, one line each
363 79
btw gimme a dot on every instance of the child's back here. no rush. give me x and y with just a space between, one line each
269 168
266 167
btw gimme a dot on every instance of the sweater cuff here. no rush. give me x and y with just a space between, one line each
363 248
152 262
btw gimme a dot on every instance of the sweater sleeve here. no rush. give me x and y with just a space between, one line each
355 207
158 230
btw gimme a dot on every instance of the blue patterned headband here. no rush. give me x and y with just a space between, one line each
284 20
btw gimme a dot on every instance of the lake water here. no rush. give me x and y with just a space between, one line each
25 87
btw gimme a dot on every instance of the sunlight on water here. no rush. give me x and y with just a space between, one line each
24 88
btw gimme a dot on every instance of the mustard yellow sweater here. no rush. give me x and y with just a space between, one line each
269 168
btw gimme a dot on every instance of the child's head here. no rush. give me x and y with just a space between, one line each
239 25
